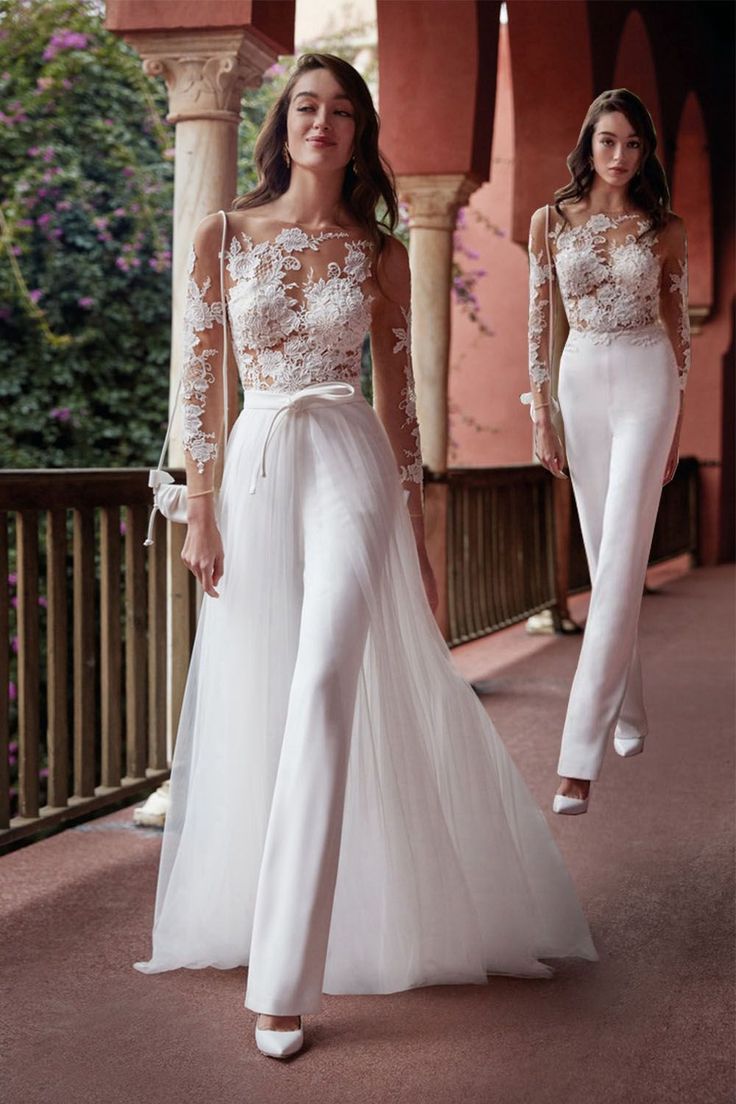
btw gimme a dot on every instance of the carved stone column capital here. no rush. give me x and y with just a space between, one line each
434 199
206 73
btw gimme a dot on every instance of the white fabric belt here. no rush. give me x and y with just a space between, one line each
629 331
284 403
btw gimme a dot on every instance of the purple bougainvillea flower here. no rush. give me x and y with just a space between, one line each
14 642
12 579
44 220
64 40
61 414
86 302
35 294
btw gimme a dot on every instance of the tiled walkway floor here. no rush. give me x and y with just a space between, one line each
652 1022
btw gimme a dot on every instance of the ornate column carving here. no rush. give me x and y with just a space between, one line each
433 202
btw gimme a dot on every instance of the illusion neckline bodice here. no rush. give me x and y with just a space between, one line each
606 221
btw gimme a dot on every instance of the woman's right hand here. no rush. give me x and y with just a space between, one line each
548 447
202 552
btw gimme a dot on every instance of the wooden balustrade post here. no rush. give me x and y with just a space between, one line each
56 658
4 675
157 649
111 652
84 653
136 660
29 662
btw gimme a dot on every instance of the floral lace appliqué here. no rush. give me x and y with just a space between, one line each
540 276
606 285
678 287
199 315
412 471
288 332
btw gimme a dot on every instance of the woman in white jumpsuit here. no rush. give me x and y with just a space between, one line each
344 817
616 256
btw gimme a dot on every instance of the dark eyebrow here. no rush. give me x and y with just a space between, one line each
610 134
342 96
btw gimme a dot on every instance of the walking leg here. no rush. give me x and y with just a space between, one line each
299 867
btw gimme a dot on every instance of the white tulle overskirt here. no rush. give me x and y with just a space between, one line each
447 871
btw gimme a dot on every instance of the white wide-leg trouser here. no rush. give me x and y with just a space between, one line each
296 883
619 398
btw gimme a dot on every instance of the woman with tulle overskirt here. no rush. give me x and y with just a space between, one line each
344 817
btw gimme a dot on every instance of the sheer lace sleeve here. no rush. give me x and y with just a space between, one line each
202 382
673 294
393 380
541 276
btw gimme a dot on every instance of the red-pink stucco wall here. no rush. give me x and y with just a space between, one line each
488 426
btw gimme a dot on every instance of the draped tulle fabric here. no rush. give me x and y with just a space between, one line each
447 870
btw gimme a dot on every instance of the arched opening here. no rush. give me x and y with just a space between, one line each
635 68
692 200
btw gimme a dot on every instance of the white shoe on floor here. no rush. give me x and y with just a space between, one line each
570 806
279 1044
152 814
626 746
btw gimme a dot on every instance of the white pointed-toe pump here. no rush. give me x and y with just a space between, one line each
569 806
626 746
279 1044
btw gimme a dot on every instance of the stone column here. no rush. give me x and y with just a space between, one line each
433 202
206 73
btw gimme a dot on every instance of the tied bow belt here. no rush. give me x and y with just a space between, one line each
286 404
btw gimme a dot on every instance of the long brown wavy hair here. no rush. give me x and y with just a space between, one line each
368 180
648 190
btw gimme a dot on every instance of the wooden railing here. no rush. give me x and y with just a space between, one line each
95 653
501 543
500 548
84 616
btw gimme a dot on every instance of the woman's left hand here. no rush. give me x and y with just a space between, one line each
672 459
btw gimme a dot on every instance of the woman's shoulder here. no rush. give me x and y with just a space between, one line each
556 218
672 235
394 276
